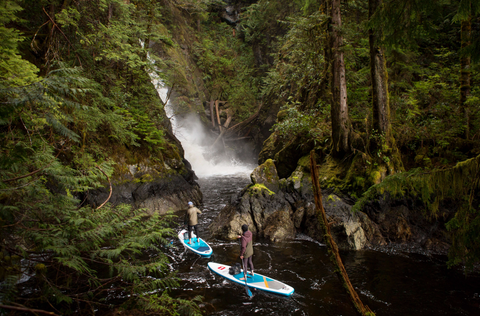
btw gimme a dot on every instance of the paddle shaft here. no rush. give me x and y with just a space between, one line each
249 293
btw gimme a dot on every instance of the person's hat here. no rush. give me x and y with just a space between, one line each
190 203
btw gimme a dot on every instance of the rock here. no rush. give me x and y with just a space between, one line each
279 226
403 223
345 226
279 209
143 187
266 175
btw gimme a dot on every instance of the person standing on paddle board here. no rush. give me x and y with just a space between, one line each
246 250
191 220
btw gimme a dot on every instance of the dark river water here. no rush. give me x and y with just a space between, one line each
390 284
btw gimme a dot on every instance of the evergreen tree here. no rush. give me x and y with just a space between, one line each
381 139
341 128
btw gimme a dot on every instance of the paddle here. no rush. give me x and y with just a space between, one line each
249 293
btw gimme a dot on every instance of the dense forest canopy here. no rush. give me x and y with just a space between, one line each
386 92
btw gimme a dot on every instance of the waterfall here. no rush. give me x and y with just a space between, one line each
196 141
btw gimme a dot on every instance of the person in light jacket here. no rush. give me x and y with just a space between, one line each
246 250
191 220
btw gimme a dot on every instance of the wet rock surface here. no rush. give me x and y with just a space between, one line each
156 194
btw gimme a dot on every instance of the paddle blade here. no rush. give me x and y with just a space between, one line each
249 293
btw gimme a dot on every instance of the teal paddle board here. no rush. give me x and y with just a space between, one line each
257 281
198 246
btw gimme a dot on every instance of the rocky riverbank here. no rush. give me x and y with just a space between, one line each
278 209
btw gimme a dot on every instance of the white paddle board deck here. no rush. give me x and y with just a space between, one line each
199 246
258 281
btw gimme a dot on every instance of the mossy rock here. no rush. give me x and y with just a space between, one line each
266 175
282 115
268 149
256 189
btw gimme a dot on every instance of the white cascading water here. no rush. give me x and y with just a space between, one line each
191 133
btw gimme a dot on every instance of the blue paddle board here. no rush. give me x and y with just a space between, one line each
199 246
257 281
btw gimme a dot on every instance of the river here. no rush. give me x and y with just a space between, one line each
389 283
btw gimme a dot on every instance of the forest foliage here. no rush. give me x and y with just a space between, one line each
75 91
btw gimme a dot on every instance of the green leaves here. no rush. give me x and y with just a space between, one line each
80 243
14 70
228 66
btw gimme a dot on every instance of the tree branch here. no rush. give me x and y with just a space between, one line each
55 25
33 172
24 309
110 187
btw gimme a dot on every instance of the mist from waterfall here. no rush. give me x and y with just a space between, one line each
196 143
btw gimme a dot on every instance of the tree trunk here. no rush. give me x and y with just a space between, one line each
225 127
378 71
383 142
212 112
339 109
218 116
465 74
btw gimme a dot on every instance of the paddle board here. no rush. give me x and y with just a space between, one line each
258 281
198 246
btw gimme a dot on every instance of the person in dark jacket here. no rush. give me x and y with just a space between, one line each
246 250
191 220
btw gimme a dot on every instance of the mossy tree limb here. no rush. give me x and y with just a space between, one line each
332 246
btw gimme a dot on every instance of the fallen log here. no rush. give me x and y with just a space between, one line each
212 115
237 138
332 245
223 130
236 127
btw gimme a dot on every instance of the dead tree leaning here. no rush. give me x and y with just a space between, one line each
332 245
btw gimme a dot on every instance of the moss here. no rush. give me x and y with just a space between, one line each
145 178
376 176
330 173
332 198
257 188
268 167
268 149
282 115
40 268
304 163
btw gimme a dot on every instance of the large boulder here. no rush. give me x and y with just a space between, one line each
142 186
267 176
278 209
350 230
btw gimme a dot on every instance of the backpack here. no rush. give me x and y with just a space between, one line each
235 269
